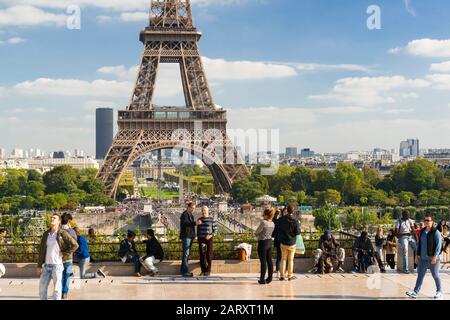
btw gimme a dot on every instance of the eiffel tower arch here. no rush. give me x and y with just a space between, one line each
198 128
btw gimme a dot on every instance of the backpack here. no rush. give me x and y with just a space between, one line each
397 230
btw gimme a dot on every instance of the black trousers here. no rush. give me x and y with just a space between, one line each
390 259
205 254
278 262
265 257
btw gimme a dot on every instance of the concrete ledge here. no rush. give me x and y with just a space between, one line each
117 269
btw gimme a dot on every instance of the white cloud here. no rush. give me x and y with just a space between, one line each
342 110
428 48
39 110
120 72
134 16
137 16
264 117
104 19
15 40
439 81
72 87
395 50
25 15
370 91
220 69
440 67
398 111
333 67
94 104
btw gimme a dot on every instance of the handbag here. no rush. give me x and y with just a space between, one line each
299 245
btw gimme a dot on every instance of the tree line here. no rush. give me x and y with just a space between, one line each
61 187
418 183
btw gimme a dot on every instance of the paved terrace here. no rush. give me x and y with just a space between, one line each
235 287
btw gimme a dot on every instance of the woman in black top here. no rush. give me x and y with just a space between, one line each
276 242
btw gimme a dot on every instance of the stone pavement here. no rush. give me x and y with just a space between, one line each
236 287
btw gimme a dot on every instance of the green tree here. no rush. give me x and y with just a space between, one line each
406 198
35 188
415 176
330 196
301 197
326 218
280 181
349 182
302 179
360 219
245 190
371 176
61 179
323 180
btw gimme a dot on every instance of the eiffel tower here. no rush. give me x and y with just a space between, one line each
198 128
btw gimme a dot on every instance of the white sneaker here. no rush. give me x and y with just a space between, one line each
412 294
340 270
438 296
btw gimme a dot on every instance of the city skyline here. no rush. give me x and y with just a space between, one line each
374 89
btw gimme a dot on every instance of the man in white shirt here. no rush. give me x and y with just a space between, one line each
56 245
404 229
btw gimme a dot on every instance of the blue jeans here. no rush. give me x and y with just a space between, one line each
422 268
187 244
84 264
405 242
51 272
137 263
67 273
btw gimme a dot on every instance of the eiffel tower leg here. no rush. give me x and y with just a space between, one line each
118 159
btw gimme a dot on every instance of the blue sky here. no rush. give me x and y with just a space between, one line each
310 68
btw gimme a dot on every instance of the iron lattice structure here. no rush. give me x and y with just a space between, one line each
199 128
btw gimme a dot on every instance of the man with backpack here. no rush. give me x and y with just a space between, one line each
404 229
428 257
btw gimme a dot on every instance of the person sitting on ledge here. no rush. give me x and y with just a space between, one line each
129 254
154 253
365 253
328 250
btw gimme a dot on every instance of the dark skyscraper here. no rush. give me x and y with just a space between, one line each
104 131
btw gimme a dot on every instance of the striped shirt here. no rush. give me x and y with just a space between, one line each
207 227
